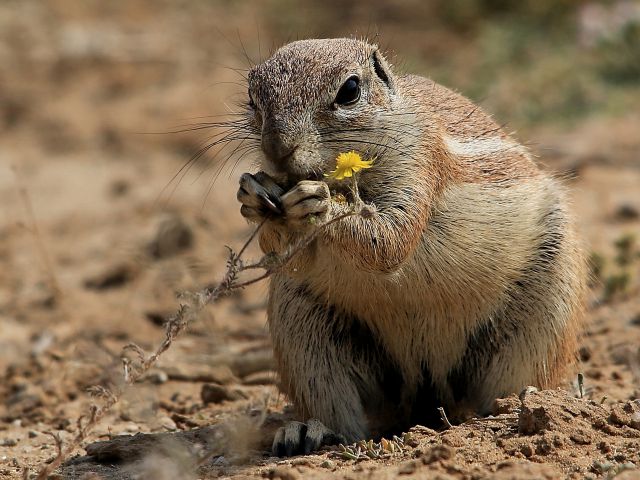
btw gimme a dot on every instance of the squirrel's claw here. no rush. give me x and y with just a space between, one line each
260 195
297 438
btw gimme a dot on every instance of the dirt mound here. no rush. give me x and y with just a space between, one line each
542 434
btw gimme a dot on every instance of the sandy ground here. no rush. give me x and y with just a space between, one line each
97 237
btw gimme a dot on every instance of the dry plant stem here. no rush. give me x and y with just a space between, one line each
176 325
35 231
290 253
356 193
581 384
501 418
444 418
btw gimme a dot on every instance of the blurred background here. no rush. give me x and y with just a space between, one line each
97 233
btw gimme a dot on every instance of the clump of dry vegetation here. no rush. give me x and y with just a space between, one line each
619 280
136 362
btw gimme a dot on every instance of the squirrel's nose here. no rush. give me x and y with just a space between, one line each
275 147
276 144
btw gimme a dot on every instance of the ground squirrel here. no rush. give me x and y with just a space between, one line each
464 286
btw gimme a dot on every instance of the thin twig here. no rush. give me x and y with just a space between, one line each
491 418
444 418
251 237
35 231
581 384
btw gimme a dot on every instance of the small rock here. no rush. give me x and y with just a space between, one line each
119 187
296 462
526 450
408 468
113 276
328 464
220 374
252 362
534 420
157 377
621 354
580 438
167 423
184 421
172 237
33 434
260 378
411 441
422 430
131 427
528 390
627 212
42 341
9 442
438 452
221 461
158 318
212 393
593 373
507 405
585 353
627 414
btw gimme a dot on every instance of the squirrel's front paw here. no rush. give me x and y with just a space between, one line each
306 201
260 196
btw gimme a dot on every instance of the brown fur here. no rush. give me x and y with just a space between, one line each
467 283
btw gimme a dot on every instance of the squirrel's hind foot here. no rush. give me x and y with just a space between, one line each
297 438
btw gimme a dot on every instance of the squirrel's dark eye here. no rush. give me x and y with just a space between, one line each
349 92
252 104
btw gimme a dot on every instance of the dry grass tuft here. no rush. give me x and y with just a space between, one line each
136 362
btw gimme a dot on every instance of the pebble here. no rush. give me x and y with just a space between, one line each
131 427
221 462
328 464
627 212
9 442
110 276
157 377
212 393
33 434
260 378
408 468
173 236
167 423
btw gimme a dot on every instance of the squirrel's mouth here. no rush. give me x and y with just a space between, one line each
292 177
291 173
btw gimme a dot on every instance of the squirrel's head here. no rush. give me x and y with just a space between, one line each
316 98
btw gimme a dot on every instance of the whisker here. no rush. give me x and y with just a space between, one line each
204 201
229 137
375 144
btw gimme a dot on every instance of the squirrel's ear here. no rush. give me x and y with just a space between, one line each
381 67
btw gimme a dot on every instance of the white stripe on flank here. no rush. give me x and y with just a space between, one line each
480 147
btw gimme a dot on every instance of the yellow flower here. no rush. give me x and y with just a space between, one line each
347 164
